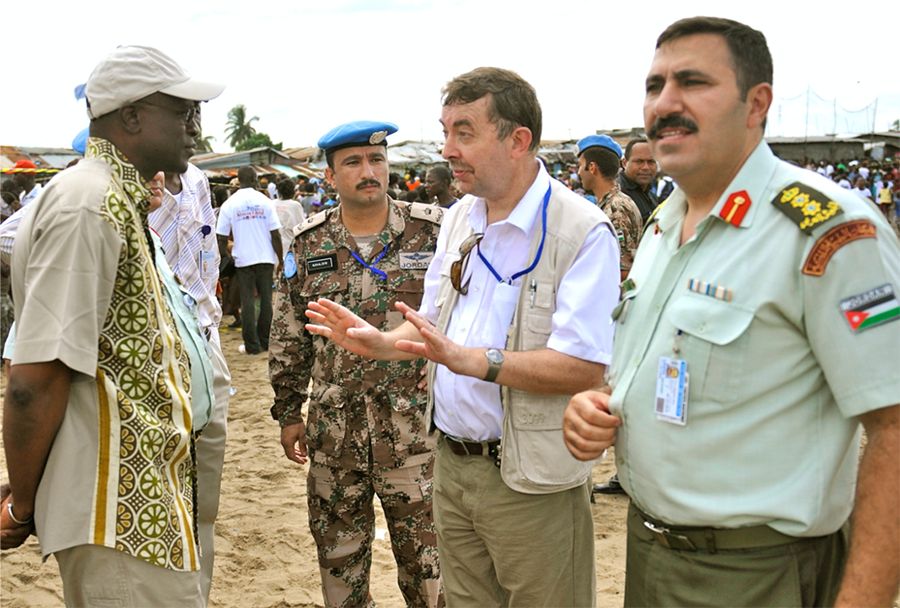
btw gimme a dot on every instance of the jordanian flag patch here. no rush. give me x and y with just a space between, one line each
871 308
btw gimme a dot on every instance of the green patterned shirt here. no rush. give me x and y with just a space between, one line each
121 472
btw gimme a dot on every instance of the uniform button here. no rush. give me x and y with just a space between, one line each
702 328
658 308
477 288
637 362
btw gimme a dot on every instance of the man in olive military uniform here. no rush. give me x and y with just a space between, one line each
757 336
364 431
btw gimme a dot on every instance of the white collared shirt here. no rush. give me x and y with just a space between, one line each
27 197
468 407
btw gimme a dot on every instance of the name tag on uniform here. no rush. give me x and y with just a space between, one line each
321 264
418 260
672 386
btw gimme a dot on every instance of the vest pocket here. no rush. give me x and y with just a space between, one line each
534 456
326 422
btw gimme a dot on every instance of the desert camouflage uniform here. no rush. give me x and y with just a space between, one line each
626 217
365 430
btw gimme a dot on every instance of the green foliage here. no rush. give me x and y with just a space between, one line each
204 143
895 126
257 140
239 127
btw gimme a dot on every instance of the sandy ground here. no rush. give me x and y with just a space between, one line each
265 555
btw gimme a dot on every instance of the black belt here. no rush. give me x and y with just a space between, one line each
461 447
713 539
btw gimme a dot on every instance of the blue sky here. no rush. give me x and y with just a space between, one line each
305 66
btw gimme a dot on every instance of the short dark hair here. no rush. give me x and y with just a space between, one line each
246 174
749 51
285 189
513 102
441 173
606 160
632 143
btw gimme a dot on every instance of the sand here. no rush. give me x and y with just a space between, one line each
265 555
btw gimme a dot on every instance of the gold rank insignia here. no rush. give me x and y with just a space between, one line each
806 207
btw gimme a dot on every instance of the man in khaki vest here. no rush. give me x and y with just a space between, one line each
523 270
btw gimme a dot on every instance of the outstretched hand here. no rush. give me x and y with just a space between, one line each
335 322
434 345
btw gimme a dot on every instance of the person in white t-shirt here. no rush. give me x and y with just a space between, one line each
290 212
250 217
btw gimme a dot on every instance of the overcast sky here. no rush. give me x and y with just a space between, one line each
307 65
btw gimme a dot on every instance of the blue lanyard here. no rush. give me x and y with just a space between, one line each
379 274
537 257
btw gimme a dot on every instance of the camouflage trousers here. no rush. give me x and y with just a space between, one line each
342 521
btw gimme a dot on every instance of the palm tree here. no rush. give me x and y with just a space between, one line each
239 127
204 142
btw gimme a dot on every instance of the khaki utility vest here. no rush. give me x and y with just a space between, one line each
534 459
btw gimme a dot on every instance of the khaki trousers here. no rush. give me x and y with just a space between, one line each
210 459
499 547
100 577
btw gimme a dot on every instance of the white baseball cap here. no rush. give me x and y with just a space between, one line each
133 72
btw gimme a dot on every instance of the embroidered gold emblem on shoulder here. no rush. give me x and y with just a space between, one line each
833 240
806 207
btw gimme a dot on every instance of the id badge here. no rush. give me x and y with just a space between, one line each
672 387
207 264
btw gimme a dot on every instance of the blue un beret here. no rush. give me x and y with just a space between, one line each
598 140
357 133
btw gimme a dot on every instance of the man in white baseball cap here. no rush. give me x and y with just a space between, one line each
98 424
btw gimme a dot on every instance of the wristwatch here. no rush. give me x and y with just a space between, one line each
495 360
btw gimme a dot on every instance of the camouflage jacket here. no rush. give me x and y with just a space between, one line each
360 411
626 218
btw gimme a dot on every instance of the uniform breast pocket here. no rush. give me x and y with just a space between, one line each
408 286
714 341
330 285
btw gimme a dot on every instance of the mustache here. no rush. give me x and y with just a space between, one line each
368 182
674 121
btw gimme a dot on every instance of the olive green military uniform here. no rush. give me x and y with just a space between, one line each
783 308
364 429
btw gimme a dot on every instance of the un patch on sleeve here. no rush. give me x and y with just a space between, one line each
290 265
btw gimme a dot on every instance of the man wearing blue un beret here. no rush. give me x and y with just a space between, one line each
365 433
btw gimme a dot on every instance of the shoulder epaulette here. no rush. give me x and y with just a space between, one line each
427 212
805 207
310 222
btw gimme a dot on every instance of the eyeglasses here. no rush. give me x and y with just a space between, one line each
458 268
186 115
